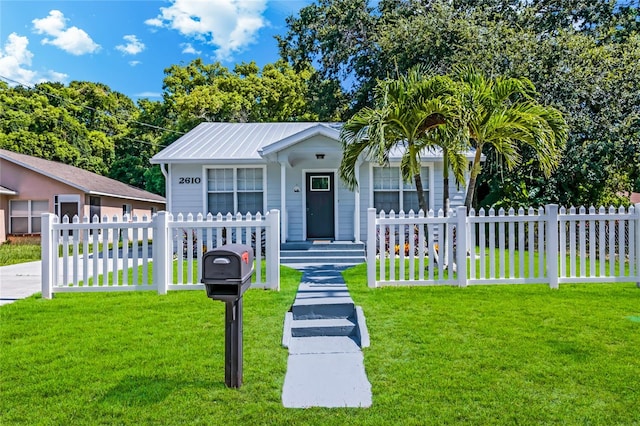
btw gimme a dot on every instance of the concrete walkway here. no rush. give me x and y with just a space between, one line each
324 333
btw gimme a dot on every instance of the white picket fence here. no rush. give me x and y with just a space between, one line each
75 260
545 245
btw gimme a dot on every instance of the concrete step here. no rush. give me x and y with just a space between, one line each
321 253
334 245
323 327
351 260
334 253
323 307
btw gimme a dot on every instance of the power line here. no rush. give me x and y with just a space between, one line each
152 144
129 120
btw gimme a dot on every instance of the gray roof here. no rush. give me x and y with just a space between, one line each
236 141
252 142
85 181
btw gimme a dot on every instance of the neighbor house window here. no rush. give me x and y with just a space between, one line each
25 216
126 209
231 190
391 193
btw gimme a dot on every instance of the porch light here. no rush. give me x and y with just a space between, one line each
296 188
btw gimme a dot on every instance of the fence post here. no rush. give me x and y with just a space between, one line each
273 248
552 244
461 243
160 250
636 237
47 254
371 247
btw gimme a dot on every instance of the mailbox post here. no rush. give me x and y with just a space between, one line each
226 274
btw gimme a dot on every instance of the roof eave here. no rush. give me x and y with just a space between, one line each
319 129
122 197
208 161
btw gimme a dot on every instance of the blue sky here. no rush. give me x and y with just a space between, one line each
127 44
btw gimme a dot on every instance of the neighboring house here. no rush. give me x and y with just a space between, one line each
30 186
292 167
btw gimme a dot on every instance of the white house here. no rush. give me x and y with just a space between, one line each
292 167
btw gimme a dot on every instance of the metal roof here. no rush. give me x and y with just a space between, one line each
231 141
81 179
253 142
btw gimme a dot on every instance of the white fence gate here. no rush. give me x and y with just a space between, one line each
546 245
160 254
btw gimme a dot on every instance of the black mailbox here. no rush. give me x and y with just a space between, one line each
227 270
226 274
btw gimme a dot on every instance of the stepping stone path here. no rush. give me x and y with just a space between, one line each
325 332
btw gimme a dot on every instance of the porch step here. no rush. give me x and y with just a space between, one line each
321 253
320 246
344 253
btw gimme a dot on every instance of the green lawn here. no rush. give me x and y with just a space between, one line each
20 250
517 273
438 355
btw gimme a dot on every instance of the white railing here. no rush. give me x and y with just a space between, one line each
160 254
546 245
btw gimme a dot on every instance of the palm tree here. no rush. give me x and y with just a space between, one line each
453 141
407 110
500 114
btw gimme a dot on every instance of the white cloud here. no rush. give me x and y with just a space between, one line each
230 25
51 25
148 95
72 40
15 60
134 63
133 46
189 49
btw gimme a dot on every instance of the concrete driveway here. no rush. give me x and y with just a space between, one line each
19 281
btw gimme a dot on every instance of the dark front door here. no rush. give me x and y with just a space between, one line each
320 205
69 209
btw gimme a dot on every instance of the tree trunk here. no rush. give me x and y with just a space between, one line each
475 171
422 202
445 182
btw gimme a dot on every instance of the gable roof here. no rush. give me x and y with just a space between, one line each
252 142
230 141
85 181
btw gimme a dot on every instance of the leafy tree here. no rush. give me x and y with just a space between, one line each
210 92
581 55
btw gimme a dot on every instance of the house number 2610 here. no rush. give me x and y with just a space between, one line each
187 180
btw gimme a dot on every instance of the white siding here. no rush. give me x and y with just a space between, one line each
294 204
186 198
365 191
301 159
273 187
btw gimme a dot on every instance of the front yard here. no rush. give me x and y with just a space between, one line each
480 355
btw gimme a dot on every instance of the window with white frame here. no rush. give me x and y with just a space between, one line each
391 193
231 190
25 216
